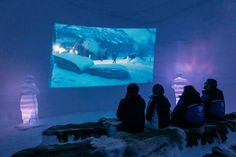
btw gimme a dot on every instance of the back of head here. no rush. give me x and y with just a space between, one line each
211 83
132 89
157 89
189 90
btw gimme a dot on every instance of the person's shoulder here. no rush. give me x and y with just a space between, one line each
123 100
166 99
141 98
220 93
219 90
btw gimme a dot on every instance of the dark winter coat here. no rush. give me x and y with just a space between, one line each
208 97
179 112
162 105
131 112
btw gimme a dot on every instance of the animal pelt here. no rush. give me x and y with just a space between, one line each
163 143
211 131
222 152
77 131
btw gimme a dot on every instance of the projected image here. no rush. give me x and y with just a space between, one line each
96 56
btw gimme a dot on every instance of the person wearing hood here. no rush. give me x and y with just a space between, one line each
158 110
131 111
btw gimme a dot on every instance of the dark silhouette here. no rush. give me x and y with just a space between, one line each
131 111
131 56
158 104
114 57
213 99
189 111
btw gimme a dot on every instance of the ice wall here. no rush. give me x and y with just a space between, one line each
194 37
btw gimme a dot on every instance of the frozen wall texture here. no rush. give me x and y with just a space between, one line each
195 38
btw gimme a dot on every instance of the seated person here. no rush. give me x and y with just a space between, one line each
213 100
131 111
158 110
189 112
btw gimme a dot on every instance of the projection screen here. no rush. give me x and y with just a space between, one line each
85 56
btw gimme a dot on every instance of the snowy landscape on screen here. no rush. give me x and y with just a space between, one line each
94 56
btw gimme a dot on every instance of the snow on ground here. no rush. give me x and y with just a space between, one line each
139 72
13 139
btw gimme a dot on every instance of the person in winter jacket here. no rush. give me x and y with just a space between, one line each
213 99
131 111
158 110
189 111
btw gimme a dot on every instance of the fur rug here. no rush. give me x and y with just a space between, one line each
100 139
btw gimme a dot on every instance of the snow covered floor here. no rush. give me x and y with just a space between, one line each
13 139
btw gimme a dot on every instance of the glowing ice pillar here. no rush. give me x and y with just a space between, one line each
178 86
28 102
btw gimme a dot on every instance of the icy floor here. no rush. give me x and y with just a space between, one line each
13 139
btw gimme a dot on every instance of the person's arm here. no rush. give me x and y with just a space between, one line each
150 110
204 96
222 96
178 110
120 110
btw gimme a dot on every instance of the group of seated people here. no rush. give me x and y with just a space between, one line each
192 110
